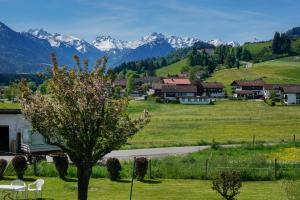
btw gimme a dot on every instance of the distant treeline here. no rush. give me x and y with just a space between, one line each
151 64
6 79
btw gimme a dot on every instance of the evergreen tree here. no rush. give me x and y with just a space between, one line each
246 55
276 44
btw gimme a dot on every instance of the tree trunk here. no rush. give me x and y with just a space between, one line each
83 175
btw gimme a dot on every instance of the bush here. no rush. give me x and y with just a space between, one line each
61 164
113 167
227 184
3 164
141 167
20 165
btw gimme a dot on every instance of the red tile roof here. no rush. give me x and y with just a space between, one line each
176 81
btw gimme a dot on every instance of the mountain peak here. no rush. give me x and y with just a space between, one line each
106 43
3 27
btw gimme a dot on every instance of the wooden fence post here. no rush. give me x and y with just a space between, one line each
253 140
133 169
275 169
294 138
150 175
34 165
206 168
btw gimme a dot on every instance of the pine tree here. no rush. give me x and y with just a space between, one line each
276 44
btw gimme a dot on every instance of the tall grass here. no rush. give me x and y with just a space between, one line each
255 163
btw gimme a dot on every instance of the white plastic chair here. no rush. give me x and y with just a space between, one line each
36 187
19 182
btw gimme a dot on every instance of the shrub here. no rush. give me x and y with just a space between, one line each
61 164
3 164
141 167
214 145
20 165
113 167
227 184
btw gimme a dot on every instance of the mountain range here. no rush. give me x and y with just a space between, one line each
28 52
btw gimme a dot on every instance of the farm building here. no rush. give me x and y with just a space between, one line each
16 135
291 94
212 89
174 92
248 89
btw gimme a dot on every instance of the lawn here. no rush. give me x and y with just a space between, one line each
8 105
226 122
285 70
163 190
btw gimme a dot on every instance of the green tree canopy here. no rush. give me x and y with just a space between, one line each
80 115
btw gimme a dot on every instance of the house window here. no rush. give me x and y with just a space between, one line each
298 98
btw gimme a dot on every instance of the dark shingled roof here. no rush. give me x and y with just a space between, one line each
179 88
212 85
258 82
272 86
291 88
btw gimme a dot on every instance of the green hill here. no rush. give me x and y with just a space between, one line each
172 69
256 48
284 70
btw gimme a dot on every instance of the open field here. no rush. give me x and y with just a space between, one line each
225 122
161 189
172 69
284 70
255 48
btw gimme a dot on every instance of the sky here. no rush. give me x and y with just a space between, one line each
229 20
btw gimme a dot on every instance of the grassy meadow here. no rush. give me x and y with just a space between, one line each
160 189
284 70
226 122
172 69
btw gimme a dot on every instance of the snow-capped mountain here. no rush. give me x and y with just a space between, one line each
56 40
179 42
233 43
219 42
107 43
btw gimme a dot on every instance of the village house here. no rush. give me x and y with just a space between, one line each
290 94
16 135
272 88
212 89
174 92
248 89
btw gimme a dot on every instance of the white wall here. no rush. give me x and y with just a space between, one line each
194 101
291 98
16 123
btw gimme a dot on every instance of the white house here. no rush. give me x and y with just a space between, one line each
16 135
291 94
253 89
